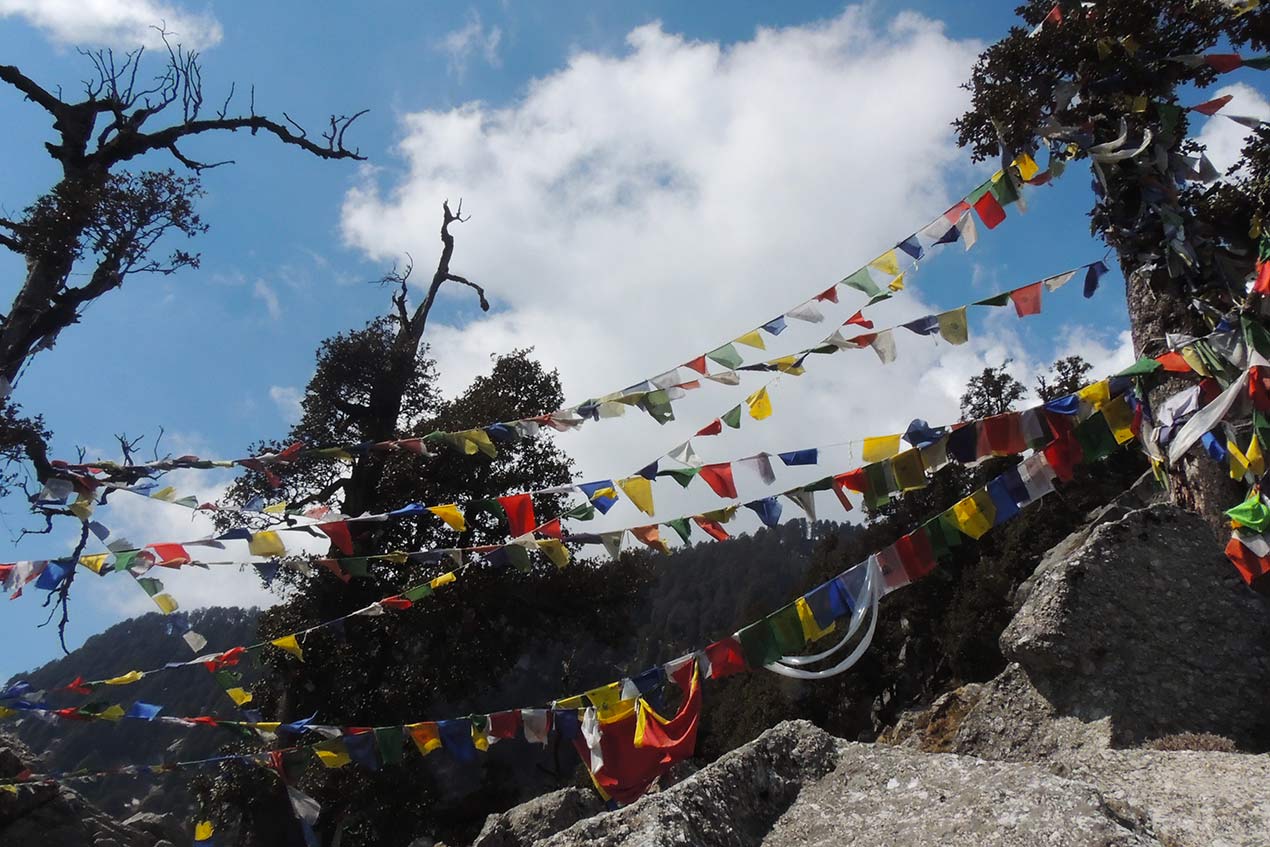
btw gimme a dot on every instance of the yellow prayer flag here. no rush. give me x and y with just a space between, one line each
787 365
880 448
888 263
1119 418
276 508
291 644
167 493
811 629
1139 104
570 703
127 679
1256 461
480 740
897 284
443 579
1238 461
1103 46
751 339
1096 395
606 699
266 543
333 753
760 405
112 713
640 490
1027 166
6 712
166 602
1193 359
477 439
82 508
240 696
95 562
974 514
425 735
554 549
267 726
953 327
203 830
451 515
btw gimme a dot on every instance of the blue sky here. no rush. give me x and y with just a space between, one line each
794 156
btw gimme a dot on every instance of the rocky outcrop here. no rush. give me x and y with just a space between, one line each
797 785
57 816
1132 630
539 818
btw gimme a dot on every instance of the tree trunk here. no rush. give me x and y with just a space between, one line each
1196 482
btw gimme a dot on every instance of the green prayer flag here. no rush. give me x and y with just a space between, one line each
952 533
519 557
862 280
584 512
1261 426
1251 513
1142 367
390 740
227 679
418 592
683 476
824 349
124 559
982 189
733 418
356 566
149 585
1260 63
787 627
1095 437
819 485
1004 190
877 485
726 356
1256 335
657 404
1170 116
998 300
681 527
758 644
934 531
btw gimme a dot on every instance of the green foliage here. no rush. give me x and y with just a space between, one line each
1067 376
993 392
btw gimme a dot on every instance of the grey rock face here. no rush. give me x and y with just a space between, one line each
1133 630
539 818
797 785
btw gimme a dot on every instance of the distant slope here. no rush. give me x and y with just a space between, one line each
138 644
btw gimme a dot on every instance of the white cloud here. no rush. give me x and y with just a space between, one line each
632 209
1223 138
269 297
288 399
115 23
462 44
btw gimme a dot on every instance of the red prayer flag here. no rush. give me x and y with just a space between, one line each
1212 107
719 478
333 566
714 529
840 485
396 603
204 720
170 555
863 341
1063 453
990 211
412 445
1173 362
830 294
650 536
1262 284
1224 62
505 724
291 451
1027 300
1003 434
954 214
224 660
859 320
1259 388
1055 16
339 535
1250 565
77 686
725 658
699 365
916 553
551 529
854 480
713 428
520 513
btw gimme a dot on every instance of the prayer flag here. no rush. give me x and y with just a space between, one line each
640 490
768 510
711 528
1027 300
888 263
682 528
338 532
750 339
733 417
862 280
1092 276
989 210
713 428
879 448
953 327
799 457
1250 564
266 543
909 471
974 514
858 320
290 644
719 478
775 326
829 295
451 515
520 513
884 345
912 247
726 658
760 404
1212 107
600 493
726 356
807 312
650 536
425 736
170 555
